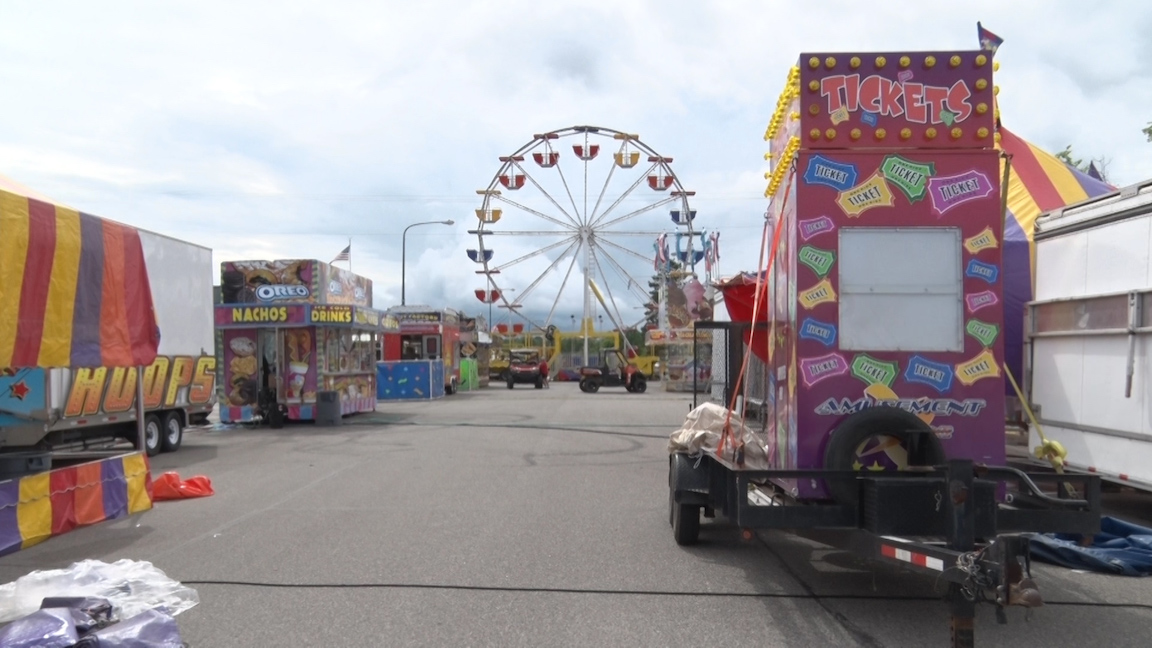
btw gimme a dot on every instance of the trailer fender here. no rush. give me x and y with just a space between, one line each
688 479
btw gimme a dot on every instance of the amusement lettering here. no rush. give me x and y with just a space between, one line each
113 391
918 406
916 102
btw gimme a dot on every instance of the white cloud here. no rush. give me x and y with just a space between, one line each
282 129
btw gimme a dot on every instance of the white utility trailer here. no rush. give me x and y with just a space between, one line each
1090 334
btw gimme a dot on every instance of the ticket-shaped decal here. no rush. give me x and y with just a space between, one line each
981 300
815 227
821 293
873 192
819 260
980 270
985 332
840 115
947 192
873 371
984 240
870 119
822 332
838 175
935 374
978 368
813 370
911 178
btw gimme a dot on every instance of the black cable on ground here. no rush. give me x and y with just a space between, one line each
606 592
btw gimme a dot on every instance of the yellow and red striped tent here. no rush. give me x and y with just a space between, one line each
1038 182
74 289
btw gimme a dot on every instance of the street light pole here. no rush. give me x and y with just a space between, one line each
404 252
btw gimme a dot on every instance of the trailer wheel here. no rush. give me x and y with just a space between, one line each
639 385
173 432
589 386
511 383
152 435
685 523
878 425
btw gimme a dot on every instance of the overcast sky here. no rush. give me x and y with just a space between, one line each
281 129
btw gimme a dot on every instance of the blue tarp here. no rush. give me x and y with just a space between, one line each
1120 548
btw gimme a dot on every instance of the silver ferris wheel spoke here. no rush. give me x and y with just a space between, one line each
546 194
533 254
483 233
534 212
626 277
567 190
627 192
532 286
560 293
633 214
603 189
647 259
617 320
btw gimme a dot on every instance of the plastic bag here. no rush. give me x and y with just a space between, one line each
48 628
131 587
150 629
703 428
169 487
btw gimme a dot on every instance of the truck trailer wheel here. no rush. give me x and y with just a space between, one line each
173 432
879 425
685 523
639 385
589 386
152 435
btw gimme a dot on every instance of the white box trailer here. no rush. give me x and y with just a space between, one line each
81 408
1090 334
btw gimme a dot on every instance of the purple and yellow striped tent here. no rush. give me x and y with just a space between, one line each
1038 182
74 290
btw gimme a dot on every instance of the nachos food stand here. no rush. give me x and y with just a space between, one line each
290 330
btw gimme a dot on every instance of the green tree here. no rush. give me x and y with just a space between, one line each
1066 156
1147 130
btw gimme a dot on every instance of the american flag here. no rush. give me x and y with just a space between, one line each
345 255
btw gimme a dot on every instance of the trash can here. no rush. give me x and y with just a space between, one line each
328 408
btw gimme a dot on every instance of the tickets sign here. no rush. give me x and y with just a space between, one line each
897 99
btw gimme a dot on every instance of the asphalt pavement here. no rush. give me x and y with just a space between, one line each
523 518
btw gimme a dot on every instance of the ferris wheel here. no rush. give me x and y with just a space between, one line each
576 214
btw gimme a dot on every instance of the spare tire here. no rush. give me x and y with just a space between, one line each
913 434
